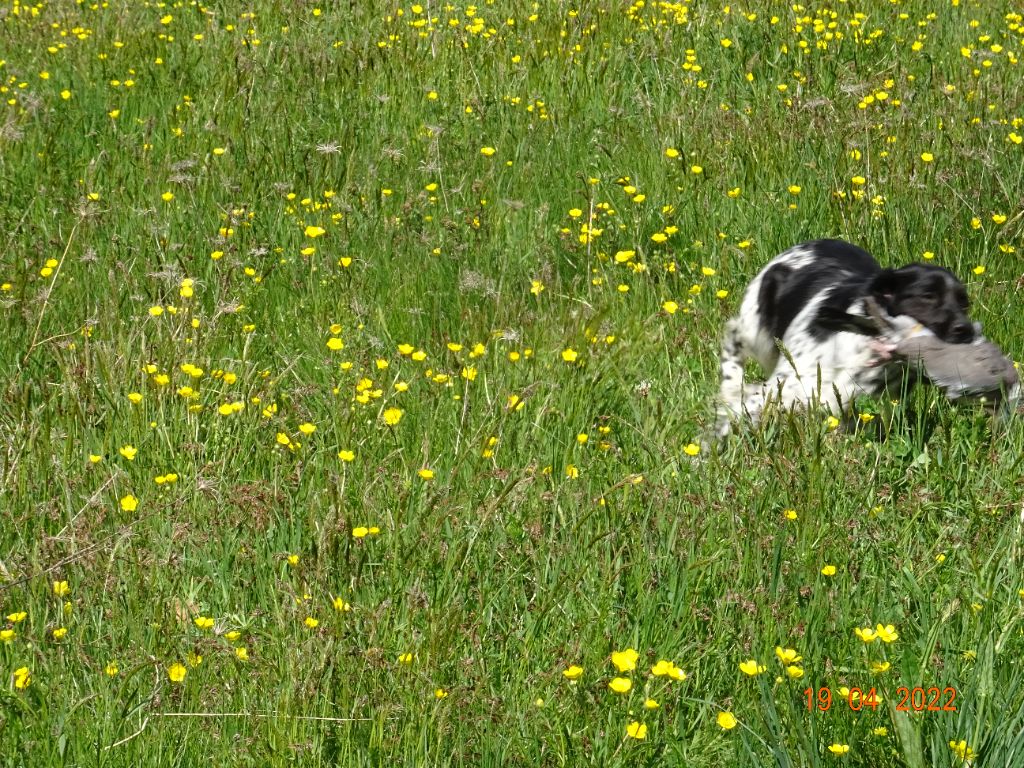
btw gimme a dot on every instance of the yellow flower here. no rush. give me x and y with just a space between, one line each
620 684
787 655
625 661
960 749
311 622
979 270
59 633
392 416
636 730
828 570
61 588
790 514
128 451
203 622
727 720
129 503
167 196
307 428
340 605
360 532
440 693
17 617
662 668
135 397
670 306
887 633
426 474
405 658
751 667
672 152
242 653
569 355
111 669
22 678
314 231
651 704
794 189
794 671
346 455
691 449
867 634
176 672
839 749
487 151
573 672
6 635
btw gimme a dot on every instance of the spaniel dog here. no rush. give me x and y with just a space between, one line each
800 320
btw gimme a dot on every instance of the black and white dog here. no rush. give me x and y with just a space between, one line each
803 302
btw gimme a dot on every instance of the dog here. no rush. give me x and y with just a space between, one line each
794 320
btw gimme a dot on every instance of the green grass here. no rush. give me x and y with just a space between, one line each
442 636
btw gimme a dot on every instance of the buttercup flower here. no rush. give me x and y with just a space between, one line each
636 730
620 684
751 667
176 672
625 661
727 720
573 672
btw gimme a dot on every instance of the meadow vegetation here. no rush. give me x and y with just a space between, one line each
357 358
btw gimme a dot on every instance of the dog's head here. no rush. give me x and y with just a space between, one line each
931 295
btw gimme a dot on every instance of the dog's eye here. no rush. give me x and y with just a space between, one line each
929 296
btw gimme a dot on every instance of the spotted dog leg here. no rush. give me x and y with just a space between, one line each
731 402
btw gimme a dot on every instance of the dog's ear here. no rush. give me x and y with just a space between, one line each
888 285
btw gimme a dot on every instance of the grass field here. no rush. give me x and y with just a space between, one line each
357 359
